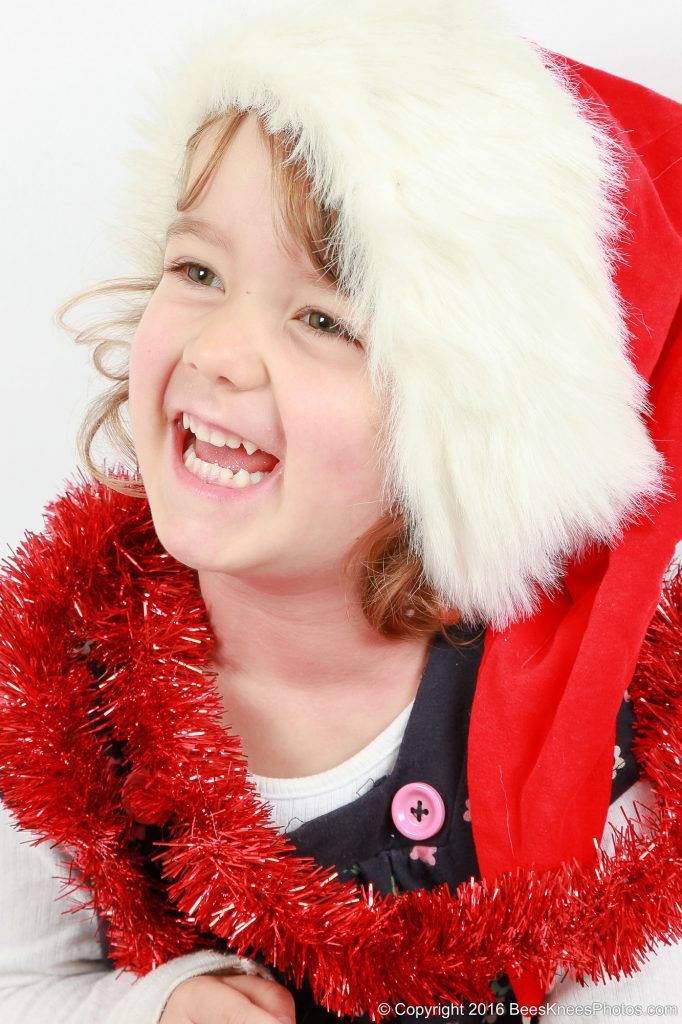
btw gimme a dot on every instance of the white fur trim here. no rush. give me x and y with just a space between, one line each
479 205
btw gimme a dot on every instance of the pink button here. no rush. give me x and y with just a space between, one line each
418 810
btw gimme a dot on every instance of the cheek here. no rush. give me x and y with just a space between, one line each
149 366
147 349
341 450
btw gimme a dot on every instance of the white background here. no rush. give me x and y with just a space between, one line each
70 76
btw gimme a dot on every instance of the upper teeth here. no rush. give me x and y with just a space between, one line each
216 437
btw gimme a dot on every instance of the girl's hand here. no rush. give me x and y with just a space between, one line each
229 999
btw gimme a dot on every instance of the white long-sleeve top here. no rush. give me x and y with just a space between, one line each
52 969
291 802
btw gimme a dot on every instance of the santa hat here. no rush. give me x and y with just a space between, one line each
509 228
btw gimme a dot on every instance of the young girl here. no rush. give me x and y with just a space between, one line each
329 703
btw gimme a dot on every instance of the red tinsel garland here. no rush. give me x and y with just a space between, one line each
99 574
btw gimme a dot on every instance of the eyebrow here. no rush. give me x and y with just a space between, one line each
202 229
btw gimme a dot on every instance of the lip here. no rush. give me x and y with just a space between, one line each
223 430
216 492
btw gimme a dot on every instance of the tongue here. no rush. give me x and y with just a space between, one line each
235 458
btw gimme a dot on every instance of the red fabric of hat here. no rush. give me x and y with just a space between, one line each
542 732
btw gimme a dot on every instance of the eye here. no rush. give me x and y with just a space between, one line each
342 329
180 265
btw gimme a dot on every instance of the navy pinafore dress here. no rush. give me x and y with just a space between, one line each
362 841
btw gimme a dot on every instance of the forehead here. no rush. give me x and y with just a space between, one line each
248 155
231 156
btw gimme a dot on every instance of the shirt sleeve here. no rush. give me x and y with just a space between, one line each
52 965
655 986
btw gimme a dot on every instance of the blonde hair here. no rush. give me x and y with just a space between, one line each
394 598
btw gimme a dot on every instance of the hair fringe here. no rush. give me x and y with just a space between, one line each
394 597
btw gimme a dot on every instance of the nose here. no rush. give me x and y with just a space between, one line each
228 347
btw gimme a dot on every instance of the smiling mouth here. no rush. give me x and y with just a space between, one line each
223 464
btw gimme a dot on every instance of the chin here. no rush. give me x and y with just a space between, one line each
208 549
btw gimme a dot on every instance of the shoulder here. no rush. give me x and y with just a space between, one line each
632 804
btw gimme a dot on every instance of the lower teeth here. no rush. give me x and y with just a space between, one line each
218 474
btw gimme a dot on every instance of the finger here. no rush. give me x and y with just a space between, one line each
271 996
214 1001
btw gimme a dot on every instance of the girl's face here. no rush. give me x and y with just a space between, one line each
233 342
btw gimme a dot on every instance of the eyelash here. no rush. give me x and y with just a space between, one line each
177 267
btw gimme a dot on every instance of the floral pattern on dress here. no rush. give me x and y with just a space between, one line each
618 761
427 854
